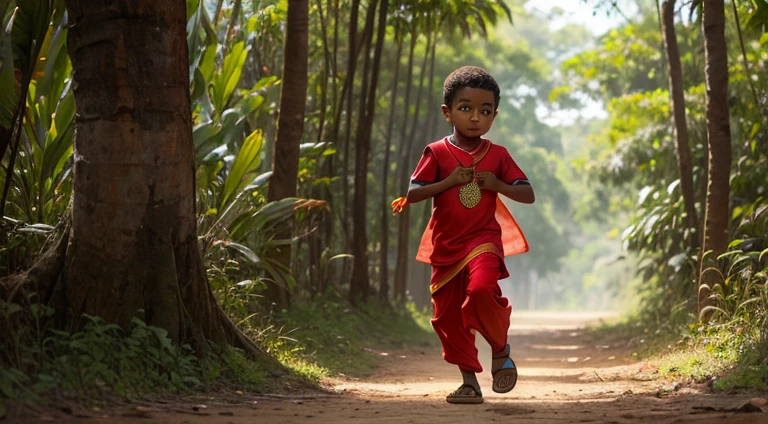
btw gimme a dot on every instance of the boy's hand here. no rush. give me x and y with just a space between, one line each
460 176
487 181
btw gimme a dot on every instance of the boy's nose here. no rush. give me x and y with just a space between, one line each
475 117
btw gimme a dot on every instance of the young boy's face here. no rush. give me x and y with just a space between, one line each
472 111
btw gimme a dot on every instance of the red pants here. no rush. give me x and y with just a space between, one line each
472 301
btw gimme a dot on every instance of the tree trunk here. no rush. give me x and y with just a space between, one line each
385 208
326 73
401 264
349 86
290 126
719 134
328 238
677 96
133 243
360 282
360 277
406 159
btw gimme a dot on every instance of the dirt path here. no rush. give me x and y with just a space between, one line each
562 380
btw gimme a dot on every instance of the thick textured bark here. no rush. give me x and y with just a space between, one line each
719 134
401 264
677 96
360 278
290 125
133 243
385 208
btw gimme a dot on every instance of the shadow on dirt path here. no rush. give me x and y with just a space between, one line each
563 379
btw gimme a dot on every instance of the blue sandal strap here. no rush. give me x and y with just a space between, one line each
508 364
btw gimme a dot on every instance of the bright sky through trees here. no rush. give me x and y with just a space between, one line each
575 12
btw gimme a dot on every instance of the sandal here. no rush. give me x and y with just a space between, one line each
465 394
505 378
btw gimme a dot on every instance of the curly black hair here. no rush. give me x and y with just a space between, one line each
472 77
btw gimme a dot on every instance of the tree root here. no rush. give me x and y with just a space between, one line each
45 283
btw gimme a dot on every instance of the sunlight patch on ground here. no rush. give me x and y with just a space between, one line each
556 347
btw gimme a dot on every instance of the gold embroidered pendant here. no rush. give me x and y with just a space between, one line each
469 195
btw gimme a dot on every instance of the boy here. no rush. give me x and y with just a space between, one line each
470 230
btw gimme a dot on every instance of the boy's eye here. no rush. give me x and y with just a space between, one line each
485 112
464 108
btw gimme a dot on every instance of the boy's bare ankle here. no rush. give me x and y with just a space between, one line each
470 379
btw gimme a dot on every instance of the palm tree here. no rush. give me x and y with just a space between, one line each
290 125
719 135
134 244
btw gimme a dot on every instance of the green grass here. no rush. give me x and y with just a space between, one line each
727 354
328 337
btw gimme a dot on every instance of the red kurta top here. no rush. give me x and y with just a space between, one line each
456 234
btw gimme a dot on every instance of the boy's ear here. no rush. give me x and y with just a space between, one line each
446 112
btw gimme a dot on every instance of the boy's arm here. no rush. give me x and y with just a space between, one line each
522 192
417 193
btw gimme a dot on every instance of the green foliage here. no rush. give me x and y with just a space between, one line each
39 70
744 378
234 368
628 60
98 361
726 354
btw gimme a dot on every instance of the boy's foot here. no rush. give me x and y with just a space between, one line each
465 394
504 372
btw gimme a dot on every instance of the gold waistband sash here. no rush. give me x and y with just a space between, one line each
483 248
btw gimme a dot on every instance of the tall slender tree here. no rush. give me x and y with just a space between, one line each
359 284
349 87
401 264
359 288
719 136
385 210
677 96
290 125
